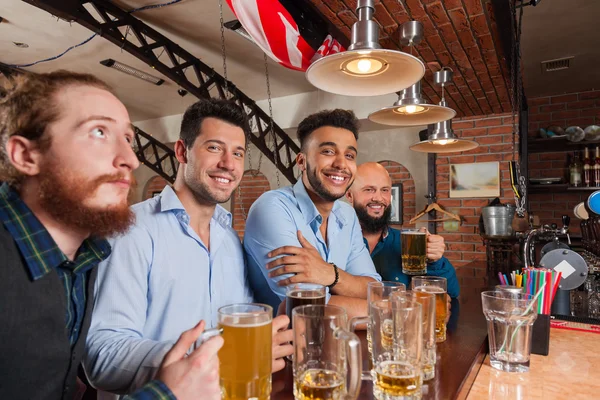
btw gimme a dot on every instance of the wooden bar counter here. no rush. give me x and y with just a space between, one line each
570 371
459 357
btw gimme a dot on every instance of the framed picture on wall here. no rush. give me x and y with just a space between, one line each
396 214
475 180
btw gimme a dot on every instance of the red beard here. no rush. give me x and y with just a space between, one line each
63 194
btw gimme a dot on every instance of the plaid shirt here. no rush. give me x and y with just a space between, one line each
42 255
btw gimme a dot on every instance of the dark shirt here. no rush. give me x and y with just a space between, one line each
388 261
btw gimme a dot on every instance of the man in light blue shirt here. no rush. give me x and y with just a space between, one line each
180 262
317 235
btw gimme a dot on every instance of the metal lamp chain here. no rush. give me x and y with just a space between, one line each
273 137
223 53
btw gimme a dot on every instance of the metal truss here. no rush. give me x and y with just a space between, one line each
150 151
187 71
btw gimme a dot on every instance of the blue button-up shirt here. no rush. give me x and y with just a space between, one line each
387 256
160 280
274 220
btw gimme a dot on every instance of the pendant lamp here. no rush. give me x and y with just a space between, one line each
442 138
365 69
411 109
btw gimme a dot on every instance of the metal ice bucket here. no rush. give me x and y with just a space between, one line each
497 220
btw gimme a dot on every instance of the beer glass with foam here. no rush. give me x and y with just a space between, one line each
438 286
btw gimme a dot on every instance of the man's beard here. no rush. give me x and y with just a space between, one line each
317 184
372 224
63 196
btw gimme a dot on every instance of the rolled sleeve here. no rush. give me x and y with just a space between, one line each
118 358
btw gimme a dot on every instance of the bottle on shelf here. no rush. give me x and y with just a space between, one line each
597 168
575 170
587 168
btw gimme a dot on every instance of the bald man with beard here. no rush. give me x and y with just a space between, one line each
371 196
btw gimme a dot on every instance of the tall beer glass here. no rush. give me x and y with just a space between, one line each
414 252
438 286
245 358
427 301
327 358
397 345
302 294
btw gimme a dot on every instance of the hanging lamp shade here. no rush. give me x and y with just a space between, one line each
411 110
443 140
365 69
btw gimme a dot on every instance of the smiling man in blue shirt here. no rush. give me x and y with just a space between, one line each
371 198
317 235
180 262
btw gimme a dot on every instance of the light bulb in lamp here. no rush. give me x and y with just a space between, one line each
410 109
365 66
443 142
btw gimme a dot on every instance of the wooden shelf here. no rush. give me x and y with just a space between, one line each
558 188
557 145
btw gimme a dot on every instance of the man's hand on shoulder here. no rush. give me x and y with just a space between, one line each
304 262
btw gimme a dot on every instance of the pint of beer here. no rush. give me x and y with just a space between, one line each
414 252
302 294
245 358
437 286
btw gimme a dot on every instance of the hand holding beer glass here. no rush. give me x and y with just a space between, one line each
414 252
438 286
326 355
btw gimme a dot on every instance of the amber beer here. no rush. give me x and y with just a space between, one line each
441 310
320 384
396 380
245 358
414 252
302 294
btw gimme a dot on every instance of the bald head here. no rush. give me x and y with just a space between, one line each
371 195
372 172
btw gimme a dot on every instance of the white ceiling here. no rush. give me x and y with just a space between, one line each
561 28
193 24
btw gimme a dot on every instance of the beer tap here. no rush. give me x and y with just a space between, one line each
544 230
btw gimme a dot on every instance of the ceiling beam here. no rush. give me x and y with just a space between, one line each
120 27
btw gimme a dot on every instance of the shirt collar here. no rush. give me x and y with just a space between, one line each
38 248
308 208
169 201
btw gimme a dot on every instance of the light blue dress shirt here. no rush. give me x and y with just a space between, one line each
159 281
273 222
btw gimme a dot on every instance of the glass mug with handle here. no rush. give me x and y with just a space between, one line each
427 301
438 286
413 252
375 291
327 358
397 347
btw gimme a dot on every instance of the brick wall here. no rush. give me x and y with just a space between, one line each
400 174
494 134
154 184
579 109
253 184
